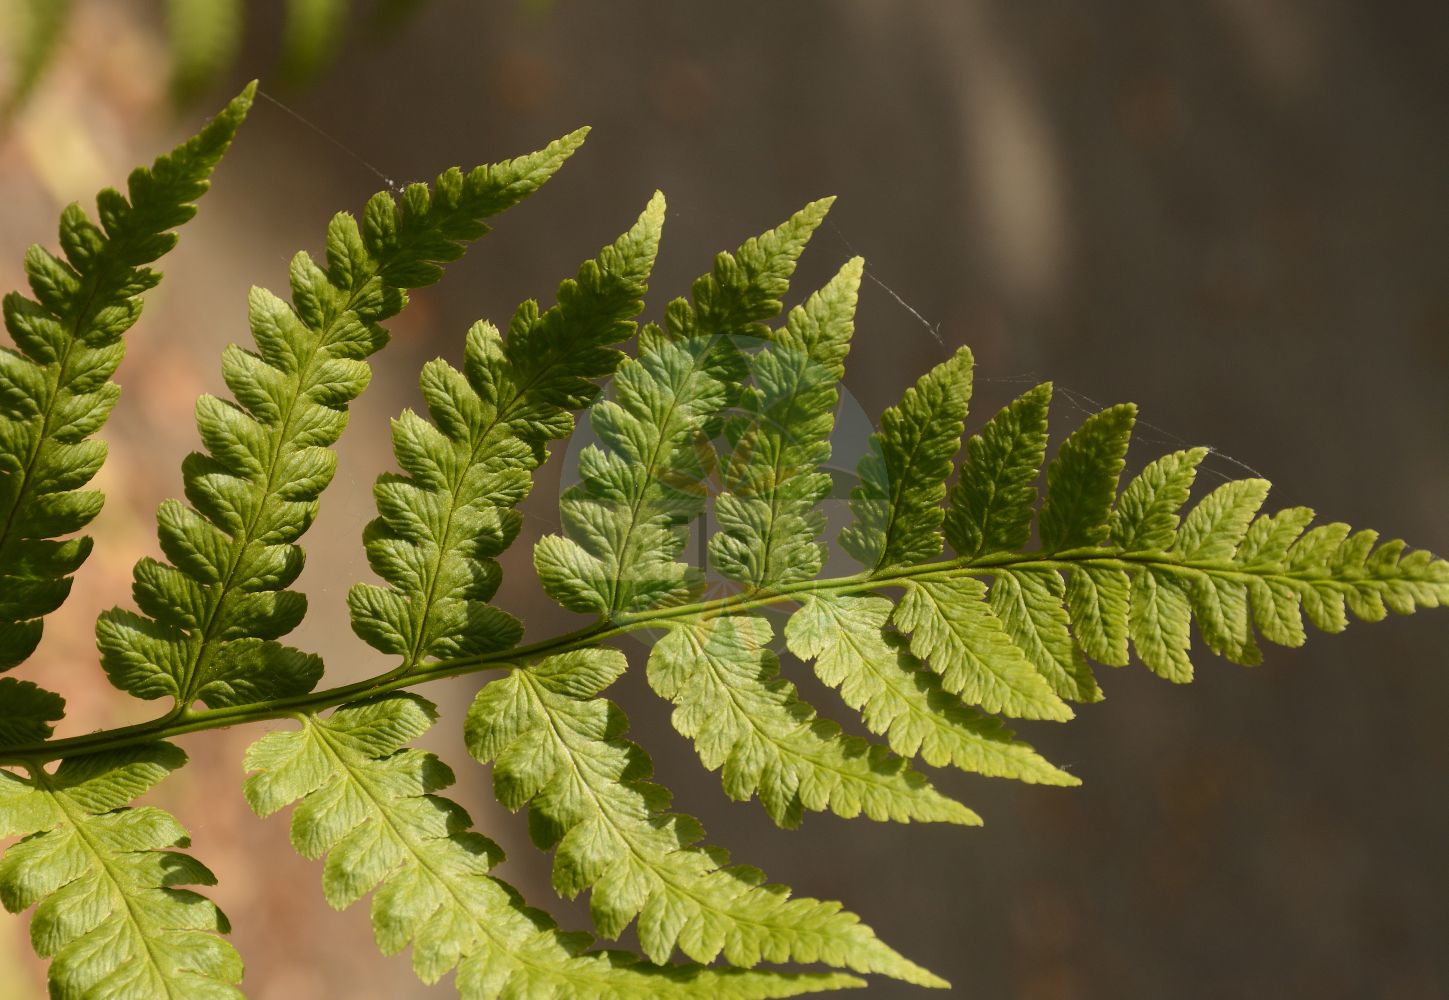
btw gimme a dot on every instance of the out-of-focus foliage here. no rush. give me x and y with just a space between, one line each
37 26
205 36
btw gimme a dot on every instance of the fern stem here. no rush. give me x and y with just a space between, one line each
170 726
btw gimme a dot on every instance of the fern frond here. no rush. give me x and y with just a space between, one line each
368 804
103 880
211 616
931 651
56 389
444 521
562 750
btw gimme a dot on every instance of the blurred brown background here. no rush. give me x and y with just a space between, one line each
1234 212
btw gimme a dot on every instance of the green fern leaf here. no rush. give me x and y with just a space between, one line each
623 520
747 722
1145 517
1215 528
956 632
991 504
368 804
561 749
1160 622
899 698
55 389
768 521
211 617
103 881
1097 604
443 523
26 711
1082 480
897 506
1028 601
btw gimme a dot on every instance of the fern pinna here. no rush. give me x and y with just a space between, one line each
720 420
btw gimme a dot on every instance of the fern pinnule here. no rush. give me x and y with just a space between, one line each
103 882
1082 480
769 526
897 504
27 711
211 616
994 499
